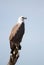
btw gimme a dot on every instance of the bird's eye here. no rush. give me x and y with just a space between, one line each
22 17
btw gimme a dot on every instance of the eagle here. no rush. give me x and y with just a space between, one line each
17 33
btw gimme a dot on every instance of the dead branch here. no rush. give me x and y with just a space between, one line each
14 57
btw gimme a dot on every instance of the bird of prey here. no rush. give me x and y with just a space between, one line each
17 33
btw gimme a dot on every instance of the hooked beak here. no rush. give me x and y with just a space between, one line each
25 17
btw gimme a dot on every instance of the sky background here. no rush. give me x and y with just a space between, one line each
32 52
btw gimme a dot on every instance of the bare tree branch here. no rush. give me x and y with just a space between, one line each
14 57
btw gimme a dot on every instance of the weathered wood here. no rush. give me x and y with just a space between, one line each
14 57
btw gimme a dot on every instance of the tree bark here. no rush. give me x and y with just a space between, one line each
14 57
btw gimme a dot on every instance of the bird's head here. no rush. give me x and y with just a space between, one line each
21 19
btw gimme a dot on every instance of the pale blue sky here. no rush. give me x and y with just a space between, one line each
32 52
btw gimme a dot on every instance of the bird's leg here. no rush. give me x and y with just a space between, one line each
18 46
13 48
